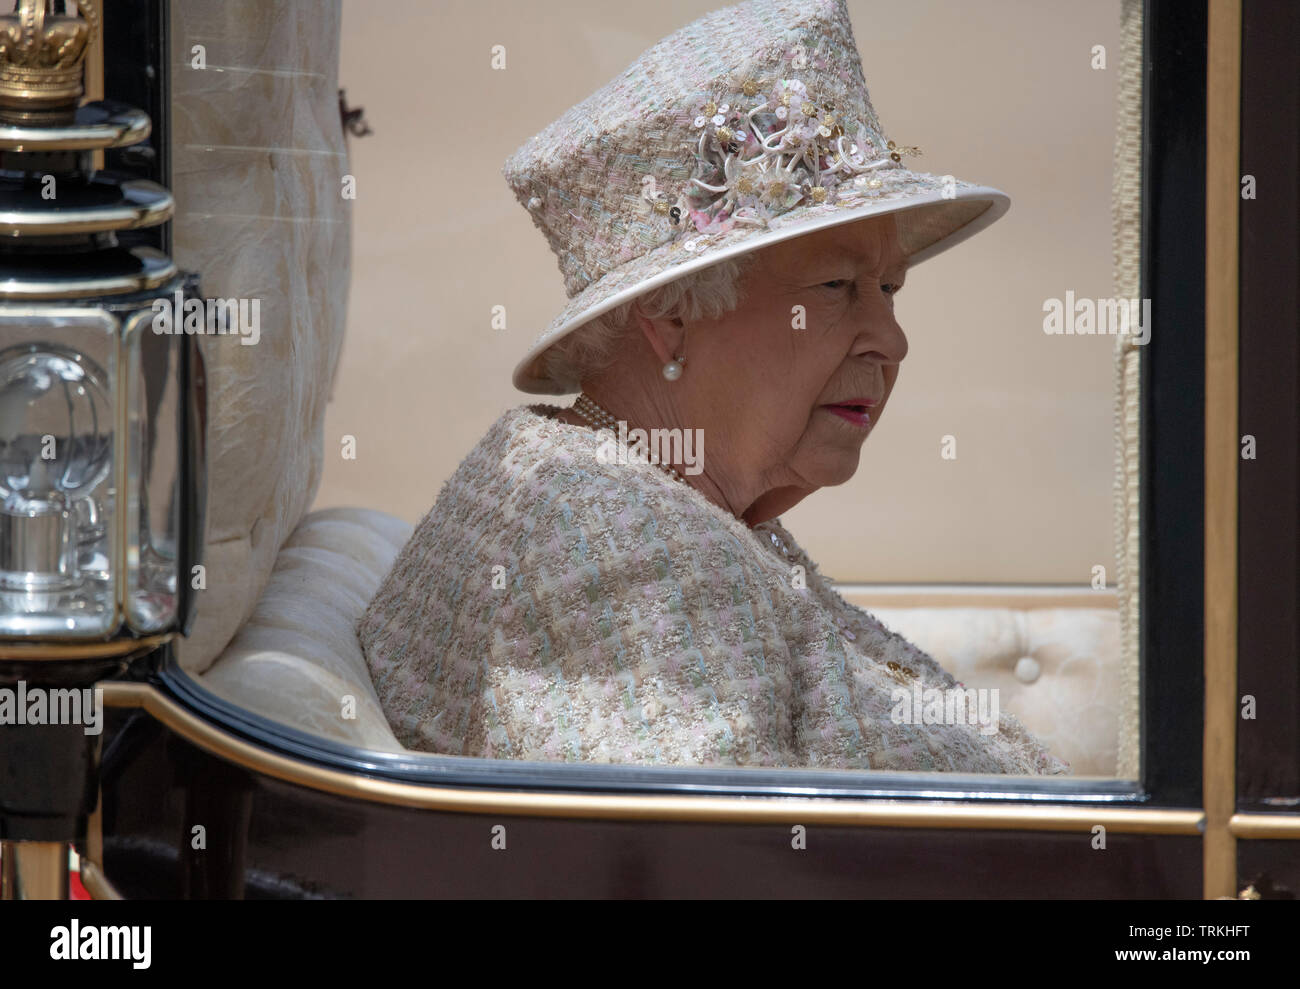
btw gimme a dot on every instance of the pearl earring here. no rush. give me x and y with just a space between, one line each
673 369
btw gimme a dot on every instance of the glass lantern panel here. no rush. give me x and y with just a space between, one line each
153 385
58 467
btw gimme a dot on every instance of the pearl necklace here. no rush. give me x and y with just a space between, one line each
601 418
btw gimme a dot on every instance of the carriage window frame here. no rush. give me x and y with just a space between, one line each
1171 616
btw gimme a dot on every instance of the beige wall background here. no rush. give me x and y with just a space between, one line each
1000 92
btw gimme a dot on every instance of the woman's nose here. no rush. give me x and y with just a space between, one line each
880 338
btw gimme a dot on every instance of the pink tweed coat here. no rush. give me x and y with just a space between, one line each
555 607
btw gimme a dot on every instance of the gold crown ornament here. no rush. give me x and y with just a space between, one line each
42 47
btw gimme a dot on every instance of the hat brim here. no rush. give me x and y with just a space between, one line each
936 213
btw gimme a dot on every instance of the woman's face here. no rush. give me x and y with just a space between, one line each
788 386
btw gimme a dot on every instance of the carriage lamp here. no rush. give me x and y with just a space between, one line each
101 430
91 504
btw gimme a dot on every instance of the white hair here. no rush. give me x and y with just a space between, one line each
708 293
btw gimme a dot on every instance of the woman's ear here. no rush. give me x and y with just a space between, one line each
663 334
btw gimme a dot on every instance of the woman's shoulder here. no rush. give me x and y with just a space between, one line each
522 456
545 466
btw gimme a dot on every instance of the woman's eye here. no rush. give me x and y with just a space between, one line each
889 288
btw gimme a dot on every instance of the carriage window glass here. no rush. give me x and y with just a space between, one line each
963 595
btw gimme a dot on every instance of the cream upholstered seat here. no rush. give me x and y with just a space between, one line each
297 659
1052 655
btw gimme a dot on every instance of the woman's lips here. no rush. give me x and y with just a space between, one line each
854 412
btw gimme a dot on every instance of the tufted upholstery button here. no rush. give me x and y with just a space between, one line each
1027 669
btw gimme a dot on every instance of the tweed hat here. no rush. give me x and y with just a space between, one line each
750 126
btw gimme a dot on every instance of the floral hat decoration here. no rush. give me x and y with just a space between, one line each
748 127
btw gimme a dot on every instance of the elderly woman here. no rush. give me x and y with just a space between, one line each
610 581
